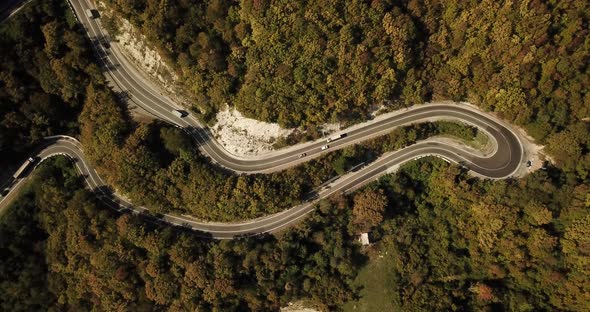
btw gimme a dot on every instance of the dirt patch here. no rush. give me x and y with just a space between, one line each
243 136
532 152
331 128
297 307
134 47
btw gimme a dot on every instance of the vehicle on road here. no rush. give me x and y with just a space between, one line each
90 13
4 192
105 43
178 113
302 155
19 173
464 165
325 147
336 137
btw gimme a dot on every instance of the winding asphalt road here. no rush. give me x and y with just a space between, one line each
125 77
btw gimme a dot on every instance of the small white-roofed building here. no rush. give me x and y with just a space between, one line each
364 239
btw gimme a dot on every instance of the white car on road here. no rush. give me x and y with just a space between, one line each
178 113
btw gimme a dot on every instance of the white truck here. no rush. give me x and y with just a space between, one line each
18 174
178 113
335 137
89 13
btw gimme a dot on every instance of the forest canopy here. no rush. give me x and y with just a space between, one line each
311 62
63 249
45 66
308 63
516 244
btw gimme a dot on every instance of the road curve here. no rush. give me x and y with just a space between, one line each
125 77
10 7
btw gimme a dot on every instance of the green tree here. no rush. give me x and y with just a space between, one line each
368 209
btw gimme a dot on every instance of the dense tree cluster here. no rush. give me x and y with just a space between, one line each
178 179
157 165
63 250
471 244
45 64
483 245
295 63
368 209
309 63
306 63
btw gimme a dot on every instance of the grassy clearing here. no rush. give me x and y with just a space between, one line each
480 141
377 280
468 135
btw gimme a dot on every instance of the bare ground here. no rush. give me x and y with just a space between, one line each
243 136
